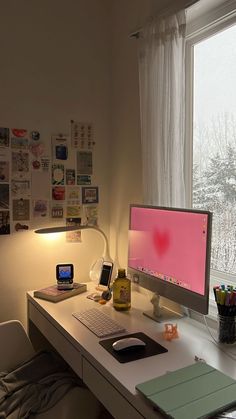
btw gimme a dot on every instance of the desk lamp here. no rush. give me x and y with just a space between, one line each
96 267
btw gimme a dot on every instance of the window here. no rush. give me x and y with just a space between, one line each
211 117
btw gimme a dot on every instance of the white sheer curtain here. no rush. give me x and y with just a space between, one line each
162 105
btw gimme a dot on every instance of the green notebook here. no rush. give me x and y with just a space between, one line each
196 391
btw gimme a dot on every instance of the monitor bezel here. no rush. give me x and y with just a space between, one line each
175 293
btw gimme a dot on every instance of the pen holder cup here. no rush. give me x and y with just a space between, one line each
227 329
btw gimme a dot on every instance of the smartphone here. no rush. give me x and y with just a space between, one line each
105 277
65 275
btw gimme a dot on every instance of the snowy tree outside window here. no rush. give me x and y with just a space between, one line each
214 142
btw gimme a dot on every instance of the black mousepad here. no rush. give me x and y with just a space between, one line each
151 348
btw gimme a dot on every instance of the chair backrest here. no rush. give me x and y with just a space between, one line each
15 346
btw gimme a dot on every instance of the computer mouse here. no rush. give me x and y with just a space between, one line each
129 343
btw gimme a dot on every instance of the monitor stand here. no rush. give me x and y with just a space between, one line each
162 314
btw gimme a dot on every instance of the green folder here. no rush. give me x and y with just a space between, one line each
196 391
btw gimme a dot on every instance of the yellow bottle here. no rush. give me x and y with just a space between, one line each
122 291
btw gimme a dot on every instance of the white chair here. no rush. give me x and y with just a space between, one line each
15 348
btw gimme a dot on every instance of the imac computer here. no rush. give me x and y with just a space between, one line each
169 254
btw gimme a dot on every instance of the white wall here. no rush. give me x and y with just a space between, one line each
55 66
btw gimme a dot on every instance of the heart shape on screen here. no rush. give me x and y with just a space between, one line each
161 242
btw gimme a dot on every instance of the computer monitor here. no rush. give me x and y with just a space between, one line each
169 253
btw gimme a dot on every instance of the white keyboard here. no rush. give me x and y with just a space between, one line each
99 323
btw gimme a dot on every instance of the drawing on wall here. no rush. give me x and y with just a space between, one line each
4 222
21 209
82 135
84 163
4 137
20 163
4 171
20 187
4 196
58 193
70 176
89 195
59 147
83 180
73 236
57 174
40 208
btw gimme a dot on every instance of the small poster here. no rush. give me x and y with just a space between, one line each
91 215
4 222
4 137
73 195
70 176
20 188
57 211
40 208
4 171
89 195
4 196
83 180
73 236
84 162
58 174
82 135
58 193
20 163
73 211
19 139
21 209
59 147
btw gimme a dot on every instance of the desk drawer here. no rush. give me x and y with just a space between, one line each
117 405
65 348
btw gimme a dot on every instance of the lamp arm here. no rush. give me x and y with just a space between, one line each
106 253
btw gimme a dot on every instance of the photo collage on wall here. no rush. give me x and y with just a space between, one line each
67 163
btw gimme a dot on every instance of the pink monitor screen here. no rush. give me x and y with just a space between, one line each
171 245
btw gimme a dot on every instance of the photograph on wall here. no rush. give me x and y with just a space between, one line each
4 137
89 195
58 193
83 180
19 139
20 188
40 208
4 222
58 174
20 163
73 236
84 162
59 147
57 211
82 135
4 171
91 215
21 209
4 196
70 176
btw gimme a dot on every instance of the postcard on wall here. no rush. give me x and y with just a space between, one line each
89 195
82 135
60 147
20 163
91 214
21 209
84 162
73 236
83 180
20 188
70 176
40 208
73 211
4 222
4 196
57 211
4 171
58 174
19 139
4 137
58 193
45 163
73 195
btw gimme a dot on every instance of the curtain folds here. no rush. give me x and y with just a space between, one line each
162 108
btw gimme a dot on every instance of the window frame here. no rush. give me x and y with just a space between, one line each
199 29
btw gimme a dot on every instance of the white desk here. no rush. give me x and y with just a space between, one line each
114 383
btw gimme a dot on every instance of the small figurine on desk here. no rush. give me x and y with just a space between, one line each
156 305
170 331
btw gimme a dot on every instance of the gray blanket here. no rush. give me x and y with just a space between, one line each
35 386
